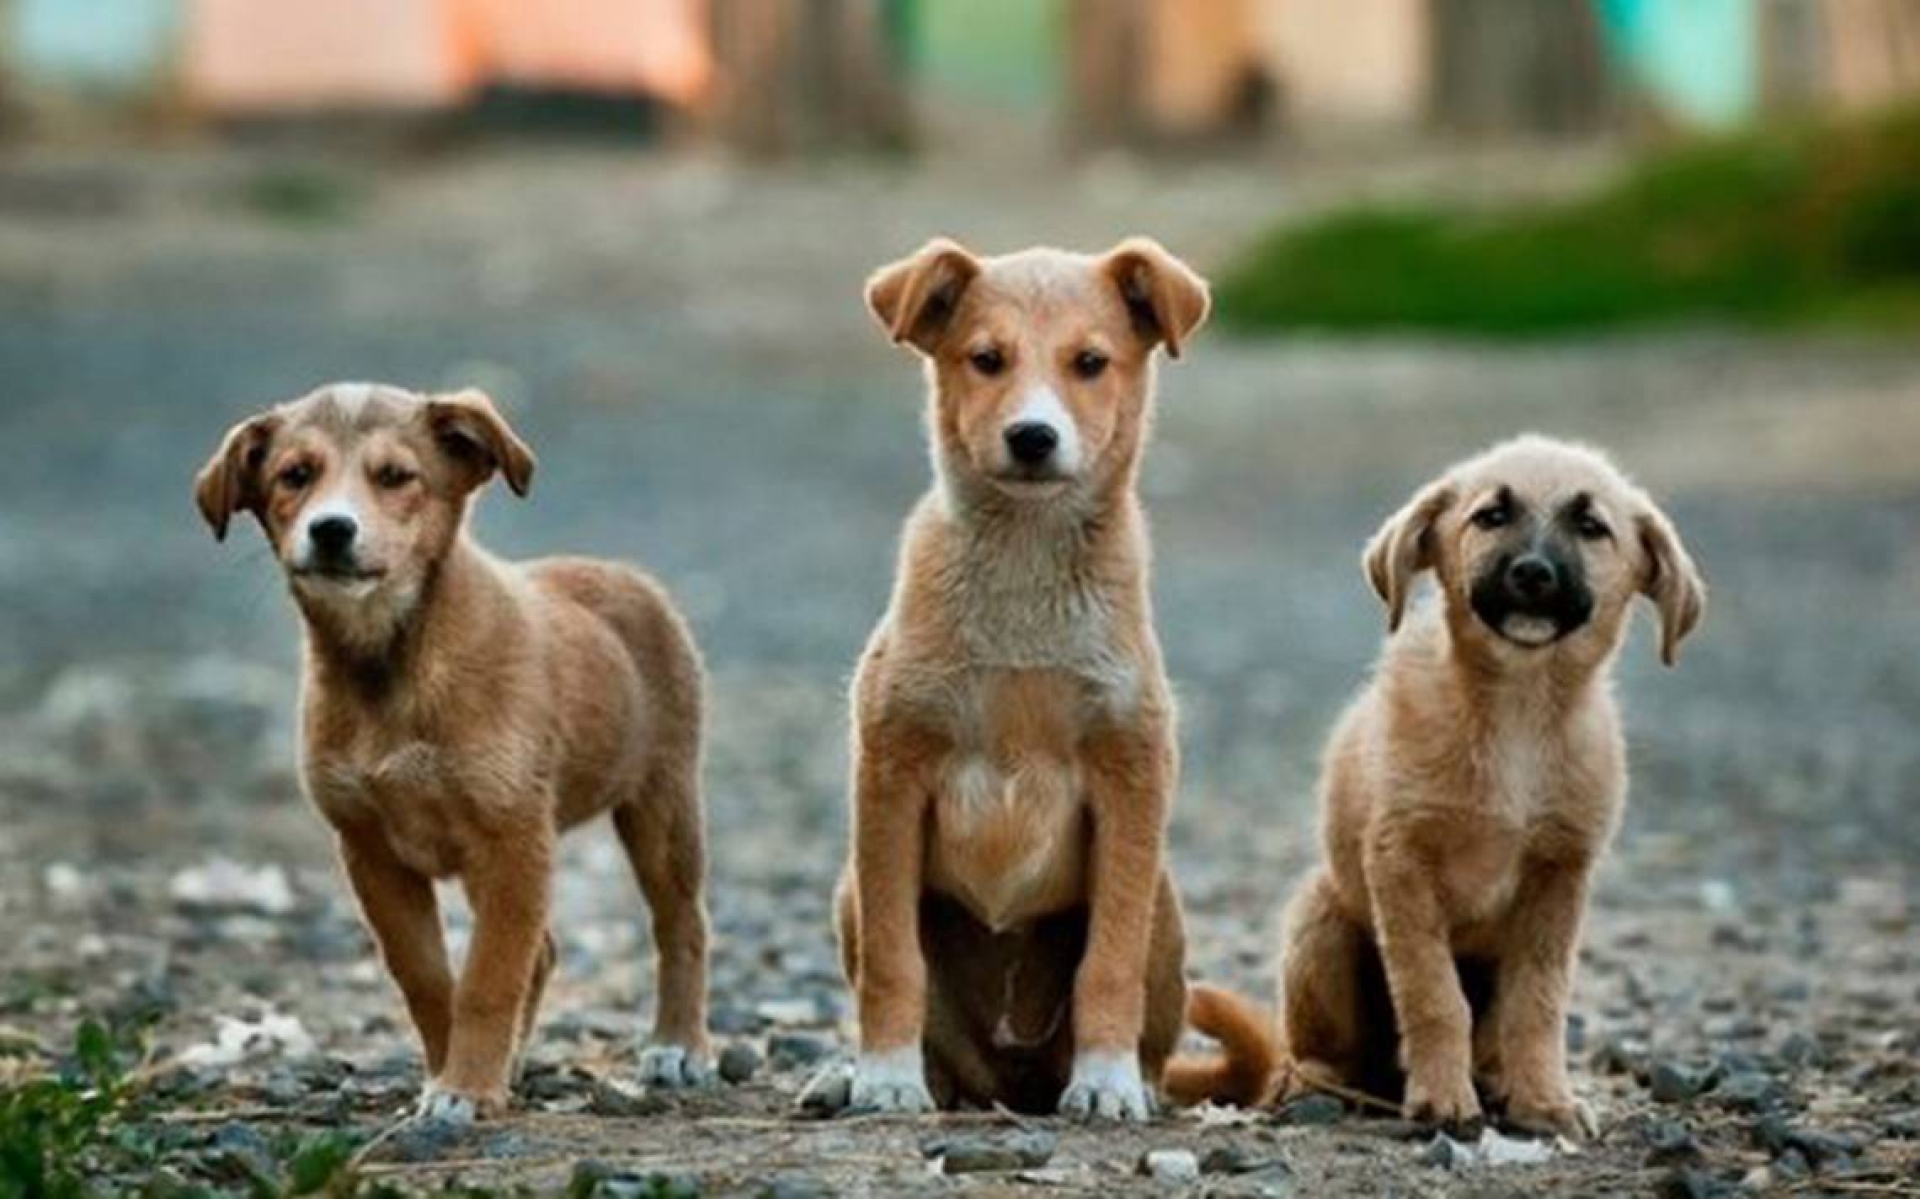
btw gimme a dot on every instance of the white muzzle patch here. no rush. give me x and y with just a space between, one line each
1043 406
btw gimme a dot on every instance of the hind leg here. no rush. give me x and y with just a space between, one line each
1321 1000
661 829
530 1010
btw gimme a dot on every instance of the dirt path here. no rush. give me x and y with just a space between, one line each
682 343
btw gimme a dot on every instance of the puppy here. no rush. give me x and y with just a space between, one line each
1006 918
1467 795
459 712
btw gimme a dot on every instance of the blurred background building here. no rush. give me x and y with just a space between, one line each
786 76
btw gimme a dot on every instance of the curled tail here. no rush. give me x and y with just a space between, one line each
1249 1060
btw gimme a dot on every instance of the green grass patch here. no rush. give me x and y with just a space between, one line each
1811 225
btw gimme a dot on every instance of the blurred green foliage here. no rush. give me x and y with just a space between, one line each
1811 224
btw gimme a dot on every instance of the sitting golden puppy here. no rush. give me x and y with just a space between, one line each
1006 918
1467 795
459 712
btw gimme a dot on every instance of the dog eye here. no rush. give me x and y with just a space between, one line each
295 477
391 477
1089 364
1591 528
988 362
1493 517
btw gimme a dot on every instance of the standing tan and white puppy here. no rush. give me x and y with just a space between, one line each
1006 916
459 712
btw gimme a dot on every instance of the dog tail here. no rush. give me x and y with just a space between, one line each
1249 1060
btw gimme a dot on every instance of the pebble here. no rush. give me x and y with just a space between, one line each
1177 1166
1800 1050
1674 1082
739 1062
607 1099
1686 1182
1671 1144
796 1050
990 1152
829 1091
1748 1091
1236 1159
1311 1110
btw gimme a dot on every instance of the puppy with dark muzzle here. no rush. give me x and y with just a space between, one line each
459 712
1467 795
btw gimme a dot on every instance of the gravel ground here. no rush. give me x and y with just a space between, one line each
682 343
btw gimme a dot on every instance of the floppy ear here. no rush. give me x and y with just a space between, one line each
914 298
1166 299
472 432
230 481
1404 547
1672 582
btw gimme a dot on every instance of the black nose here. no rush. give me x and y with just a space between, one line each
332 534
1031 442
1532 577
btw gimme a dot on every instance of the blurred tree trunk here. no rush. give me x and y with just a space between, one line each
1107 70
1518 66
801 75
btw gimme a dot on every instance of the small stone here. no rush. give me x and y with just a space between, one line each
1443 1152
1686 1182
424 1141
798 1187
1670 1144
245 1148
796 1050
731 1020
1236 1159
1802 1051
1618 1055
1022 1150
1792 1164
739 1062
1310 1110
829 1091
1671 1082
1825 1149
1748 1091
1176 1166
607 1099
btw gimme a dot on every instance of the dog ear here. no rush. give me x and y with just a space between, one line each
914 298
474 434
1166 299
1672 582
230 481
1404 547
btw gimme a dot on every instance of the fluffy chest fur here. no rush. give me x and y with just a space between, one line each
1011 643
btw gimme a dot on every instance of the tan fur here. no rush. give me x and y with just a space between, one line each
459 712
1006 901
1467 795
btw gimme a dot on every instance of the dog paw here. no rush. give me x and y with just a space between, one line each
674 1067
450 1108
1451 1105
1106 1086
894 1081
1559 1116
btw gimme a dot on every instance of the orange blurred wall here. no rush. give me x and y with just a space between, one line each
293 55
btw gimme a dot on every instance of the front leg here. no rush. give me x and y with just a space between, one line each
1436 1024
889 845
1129 785
509 891
400 908
1529 1013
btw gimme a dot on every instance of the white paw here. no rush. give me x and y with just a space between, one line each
894 1081
1106 1086
674 1066
445 1107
